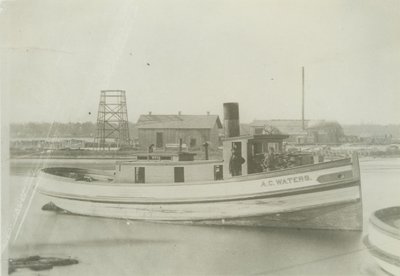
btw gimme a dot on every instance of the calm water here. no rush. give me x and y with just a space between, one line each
117 247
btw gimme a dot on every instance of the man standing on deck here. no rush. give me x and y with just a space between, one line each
151 148
270 160
235 163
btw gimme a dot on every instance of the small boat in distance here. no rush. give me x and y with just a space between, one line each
383 240
256 184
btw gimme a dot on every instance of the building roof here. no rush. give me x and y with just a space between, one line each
324 124
178 121
258 137
245 129
284 126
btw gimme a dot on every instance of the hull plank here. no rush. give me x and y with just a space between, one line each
347 216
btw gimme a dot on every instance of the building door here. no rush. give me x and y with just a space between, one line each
139 175
192 142
179 174
159 140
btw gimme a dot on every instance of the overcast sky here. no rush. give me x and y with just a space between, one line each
58 55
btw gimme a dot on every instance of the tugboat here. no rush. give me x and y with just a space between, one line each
256 184
383 240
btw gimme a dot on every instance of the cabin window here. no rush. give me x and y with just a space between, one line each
257 148
258 130
237 147
179 174
192 142
236 159
119 167
139 175
218 172
274 146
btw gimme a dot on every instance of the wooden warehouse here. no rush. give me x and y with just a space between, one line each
315 132
166 130
294 128
325 132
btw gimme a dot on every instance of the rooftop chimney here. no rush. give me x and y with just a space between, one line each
149 112
208 113
179 113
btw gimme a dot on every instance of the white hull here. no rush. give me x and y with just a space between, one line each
287 191
388 267
383 239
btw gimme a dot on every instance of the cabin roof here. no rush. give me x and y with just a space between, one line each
163 153
150 156
324 124
178 121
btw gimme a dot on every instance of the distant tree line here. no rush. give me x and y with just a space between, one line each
371 130
88 129
41 130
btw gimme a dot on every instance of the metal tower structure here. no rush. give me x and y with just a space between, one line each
112 119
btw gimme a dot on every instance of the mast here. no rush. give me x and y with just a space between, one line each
302 104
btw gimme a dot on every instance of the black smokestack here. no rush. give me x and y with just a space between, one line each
231 120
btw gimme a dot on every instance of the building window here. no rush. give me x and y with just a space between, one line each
139 175
218 172
179 174
165 158
192 142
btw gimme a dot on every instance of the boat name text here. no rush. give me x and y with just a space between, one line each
285 180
